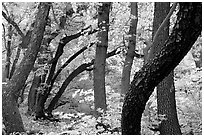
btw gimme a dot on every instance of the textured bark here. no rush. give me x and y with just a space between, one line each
166 103
185 32
13 68
33 95
11 116
8 54
100 56
43 57
125 82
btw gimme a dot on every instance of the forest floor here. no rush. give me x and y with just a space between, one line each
76 117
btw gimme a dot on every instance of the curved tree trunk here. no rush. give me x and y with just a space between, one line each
125 82
185 32
166 102
80 69
76 72
100 56
11 116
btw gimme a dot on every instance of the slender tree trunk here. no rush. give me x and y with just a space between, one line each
166 102
100 57
185 32
33 94
13 68
8 54
125 82
11 116
43 57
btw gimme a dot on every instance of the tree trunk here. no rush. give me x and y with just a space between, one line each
43 57
33 94
125 82
11 116
185 32
13 68
166 103
8 54
100 56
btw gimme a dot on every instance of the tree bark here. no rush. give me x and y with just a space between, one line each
43 57
166 103
13 68
185 32
8 54
33 94
100 56
11 116
125 82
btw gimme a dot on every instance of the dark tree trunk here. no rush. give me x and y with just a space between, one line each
43 56
42 96
100 56
166 102
125 82
67 63
33 94
76 72
185 32
11 116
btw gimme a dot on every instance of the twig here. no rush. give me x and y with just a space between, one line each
13 23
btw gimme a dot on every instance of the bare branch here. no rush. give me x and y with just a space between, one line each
165 20
5 8
13 23
4 35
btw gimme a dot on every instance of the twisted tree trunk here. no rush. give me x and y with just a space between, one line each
166 103
185 32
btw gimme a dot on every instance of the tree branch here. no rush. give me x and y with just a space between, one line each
13 23
150 43
77 71
69 60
